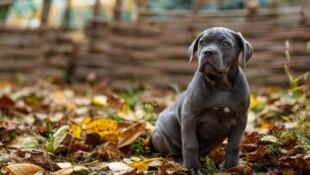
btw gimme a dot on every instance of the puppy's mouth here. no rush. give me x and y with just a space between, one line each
208 70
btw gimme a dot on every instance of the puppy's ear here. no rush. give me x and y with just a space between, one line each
193 48
247 49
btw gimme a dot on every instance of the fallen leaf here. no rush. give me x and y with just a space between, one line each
62 98
25 141
241 170
217 155
22 169
246 148
144 164
120 168
70 170
86 120
298 162
106 128
266 125
76 130
6 103
171 167
100 166
109 150
94 139
129 135
43 160
61 139
269 139
100 100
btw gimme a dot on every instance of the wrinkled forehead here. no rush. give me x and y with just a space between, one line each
218 32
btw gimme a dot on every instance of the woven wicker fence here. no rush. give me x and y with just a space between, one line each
34 52
154 49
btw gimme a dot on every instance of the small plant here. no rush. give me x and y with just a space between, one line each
131 97
13 134
138 146
115 117
209 166
86 172
148 108
301 103
50 131
274 149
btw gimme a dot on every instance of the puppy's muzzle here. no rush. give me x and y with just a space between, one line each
210 52
211 62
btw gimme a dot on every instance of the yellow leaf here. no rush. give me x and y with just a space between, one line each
253 101
76 130
86 120
266 125
100 100
143 165
126 112
106 128
22 169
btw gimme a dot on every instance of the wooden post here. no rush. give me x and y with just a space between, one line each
196 6
141 4
66 18
45 12
118 10
305 12
96 8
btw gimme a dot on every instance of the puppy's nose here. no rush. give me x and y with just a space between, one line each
210 52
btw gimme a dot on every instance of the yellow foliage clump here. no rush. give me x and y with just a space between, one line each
106 128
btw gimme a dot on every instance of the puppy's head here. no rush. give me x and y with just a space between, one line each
218 51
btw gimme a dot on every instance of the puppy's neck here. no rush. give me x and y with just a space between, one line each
233 73
225 82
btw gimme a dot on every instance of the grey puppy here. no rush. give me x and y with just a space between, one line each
214 106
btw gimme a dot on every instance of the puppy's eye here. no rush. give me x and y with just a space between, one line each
225 44
202 42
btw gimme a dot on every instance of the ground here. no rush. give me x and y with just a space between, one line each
50 128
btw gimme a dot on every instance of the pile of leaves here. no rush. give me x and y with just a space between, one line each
47 128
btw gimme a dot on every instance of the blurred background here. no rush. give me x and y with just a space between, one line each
125 42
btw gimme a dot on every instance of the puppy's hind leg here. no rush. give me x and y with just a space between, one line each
158 143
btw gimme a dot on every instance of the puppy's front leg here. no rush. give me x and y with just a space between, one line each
234 143
190 146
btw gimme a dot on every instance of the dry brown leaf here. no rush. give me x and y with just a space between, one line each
109 150
241 170
217 155
100 166
297 162
246 148
22 169
129 135
43 160
171 167
6 103
70 170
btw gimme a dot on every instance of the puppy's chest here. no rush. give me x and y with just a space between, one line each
220 119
